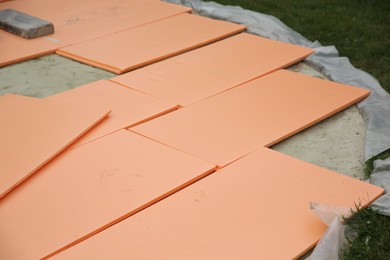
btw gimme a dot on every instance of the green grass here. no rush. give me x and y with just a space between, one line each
370 236
360 30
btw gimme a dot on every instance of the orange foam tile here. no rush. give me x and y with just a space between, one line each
34 131
128 107
107 18
201 73
89 188
15 49
77 21
259 113
131 49
44 8
255 208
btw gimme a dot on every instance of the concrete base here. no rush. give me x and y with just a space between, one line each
336 143
47 76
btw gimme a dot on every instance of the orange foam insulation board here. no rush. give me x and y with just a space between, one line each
77 21
131 49
46 7
90 188
201 73
128 107
15 49
36 130
259 113
255 208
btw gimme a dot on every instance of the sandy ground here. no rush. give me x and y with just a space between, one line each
336 143
47 75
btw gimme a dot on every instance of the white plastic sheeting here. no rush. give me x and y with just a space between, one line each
331 243
381 177
375 109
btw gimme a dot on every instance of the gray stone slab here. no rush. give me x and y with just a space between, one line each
24 25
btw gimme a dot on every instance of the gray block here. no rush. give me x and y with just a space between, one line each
24 25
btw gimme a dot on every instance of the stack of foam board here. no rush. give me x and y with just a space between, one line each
169 161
